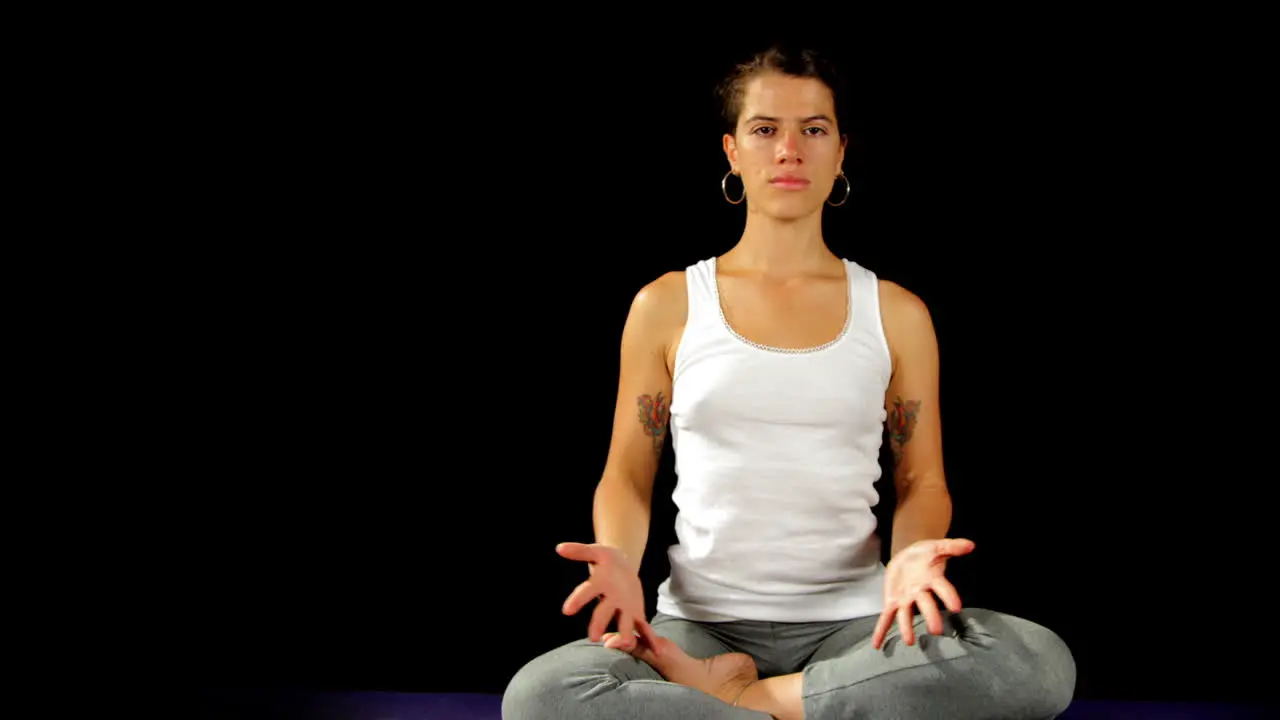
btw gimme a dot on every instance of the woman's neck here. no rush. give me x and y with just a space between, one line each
780 248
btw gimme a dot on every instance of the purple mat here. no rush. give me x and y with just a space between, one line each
462 706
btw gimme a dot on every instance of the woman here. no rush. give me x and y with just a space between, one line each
775 367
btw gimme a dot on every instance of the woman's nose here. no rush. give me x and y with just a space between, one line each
788 147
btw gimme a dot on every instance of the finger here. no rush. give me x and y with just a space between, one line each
904 624
600 620
576 551
648 635
615 642
646 652
955 546
581 595
882 628
947 593
626 631
929 609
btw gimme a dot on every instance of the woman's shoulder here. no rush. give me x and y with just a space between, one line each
665 298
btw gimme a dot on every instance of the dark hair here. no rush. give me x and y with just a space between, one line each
803 62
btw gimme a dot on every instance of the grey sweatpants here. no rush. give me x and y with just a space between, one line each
985 666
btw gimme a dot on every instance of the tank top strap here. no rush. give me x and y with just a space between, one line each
704 301
864 304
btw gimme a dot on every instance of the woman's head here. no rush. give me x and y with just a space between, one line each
783 136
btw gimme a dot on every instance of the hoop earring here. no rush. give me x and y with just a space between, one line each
847 189
725 190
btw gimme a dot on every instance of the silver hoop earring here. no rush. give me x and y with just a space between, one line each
725 190
847 189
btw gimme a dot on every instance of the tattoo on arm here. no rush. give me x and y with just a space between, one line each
902 423
653 418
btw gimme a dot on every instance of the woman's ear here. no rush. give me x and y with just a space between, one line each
731 150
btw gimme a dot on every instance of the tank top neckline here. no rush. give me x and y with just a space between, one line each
724 320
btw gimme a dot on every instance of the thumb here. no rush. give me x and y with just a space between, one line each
955 546
576 551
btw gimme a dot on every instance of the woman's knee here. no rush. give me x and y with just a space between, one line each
528 690
555 683
537 689
1032 658
1052 670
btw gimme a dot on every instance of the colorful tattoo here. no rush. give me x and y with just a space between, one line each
653 418
902 423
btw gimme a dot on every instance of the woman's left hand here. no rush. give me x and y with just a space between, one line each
910 578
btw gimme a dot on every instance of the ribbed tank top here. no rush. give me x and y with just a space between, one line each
777 456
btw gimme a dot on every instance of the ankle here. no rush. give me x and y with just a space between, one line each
743 691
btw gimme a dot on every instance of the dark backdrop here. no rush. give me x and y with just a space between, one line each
411 296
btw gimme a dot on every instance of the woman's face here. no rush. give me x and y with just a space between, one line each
787 147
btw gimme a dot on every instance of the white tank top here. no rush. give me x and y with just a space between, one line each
777 455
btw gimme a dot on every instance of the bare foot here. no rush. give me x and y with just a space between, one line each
721 676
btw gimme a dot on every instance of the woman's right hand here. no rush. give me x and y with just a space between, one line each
618 590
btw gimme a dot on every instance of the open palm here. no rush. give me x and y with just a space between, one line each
912 578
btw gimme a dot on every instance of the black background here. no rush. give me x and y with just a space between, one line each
417 264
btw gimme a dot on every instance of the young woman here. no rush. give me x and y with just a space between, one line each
775 367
